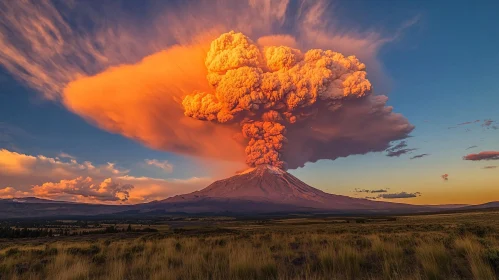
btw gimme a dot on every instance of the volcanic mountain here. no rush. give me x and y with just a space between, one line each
266 188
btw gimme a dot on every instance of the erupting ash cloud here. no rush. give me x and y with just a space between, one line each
270 90
278 101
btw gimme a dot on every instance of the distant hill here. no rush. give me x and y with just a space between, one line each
493 204
31 207
33 200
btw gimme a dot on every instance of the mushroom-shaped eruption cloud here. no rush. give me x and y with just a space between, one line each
293 107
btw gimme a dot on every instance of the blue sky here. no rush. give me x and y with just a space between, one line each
441 71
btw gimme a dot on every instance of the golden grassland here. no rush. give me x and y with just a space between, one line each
450 246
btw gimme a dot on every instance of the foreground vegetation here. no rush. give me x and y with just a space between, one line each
450 246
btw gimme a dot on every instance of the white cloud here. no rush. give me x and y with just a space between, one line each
164 165
64 155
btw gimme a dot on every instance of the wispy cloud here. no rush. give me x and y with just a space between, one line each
400 145
161 164
419 156
487 123
399 149
464 123
470 122
379 191
399 195
490 167
399 152
371 191
486 155
64 155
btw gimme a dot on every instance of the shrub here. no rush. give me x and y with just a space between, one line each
478 230
12 252
178 246
269 271
221 242
92 250
50 251
492 256
174 262
99 259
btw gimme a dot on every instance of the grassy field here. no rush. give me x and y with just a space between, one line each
445 246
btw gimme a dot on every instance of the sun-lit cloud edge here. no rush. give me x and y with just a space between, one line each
45 177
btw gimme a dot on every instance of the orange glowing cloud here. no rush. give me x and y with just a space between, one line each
98 73
14 166
157 100
70 180
143 102
123 189
163 165
486 155
148 189
84 189
10 192
15 163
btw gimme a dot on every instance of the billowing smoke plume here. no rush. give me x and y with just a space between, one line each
129 75
274 89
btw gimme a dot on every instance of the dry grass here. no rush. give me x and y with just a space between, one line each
276 251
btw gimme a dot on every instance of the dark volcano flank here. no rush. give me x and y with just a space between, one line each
268 188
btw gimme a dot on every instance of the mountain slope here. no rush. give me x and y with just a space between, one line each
264 189
274 189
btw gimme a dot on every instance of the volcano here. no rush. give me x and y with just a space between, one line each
263 190
267 188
